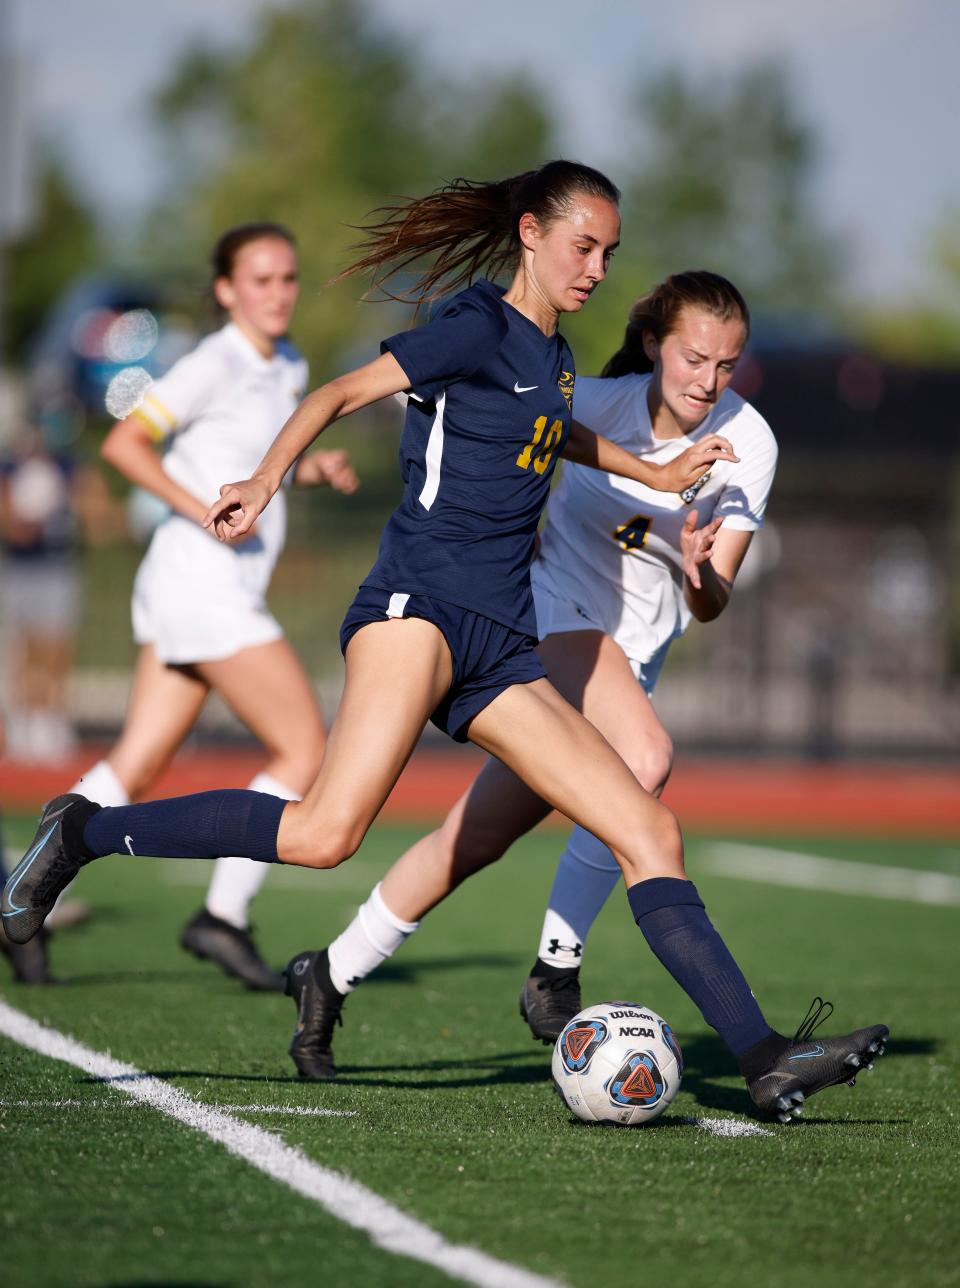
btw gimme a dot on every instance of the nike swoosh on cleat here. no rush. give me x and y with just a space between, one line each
518 388
808 1055
25 862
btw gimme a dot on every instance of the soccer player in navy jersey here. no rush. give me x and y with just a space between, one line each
443 626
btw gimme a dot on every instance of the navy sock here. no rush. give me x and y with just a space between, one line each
203 826
675 924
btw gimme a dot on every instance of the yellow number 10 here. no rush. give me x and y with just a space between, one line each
542 459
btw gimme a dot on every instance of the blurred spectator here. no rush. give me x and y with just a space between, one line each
46 496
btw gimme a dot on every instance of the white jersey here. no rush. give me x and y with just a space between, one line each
218 410
610 552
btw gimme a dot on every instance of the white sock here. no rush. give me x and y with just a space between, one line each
586 874
374 935
235 881
101 785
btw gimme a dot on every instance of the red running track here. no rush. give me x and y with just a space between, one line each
707 796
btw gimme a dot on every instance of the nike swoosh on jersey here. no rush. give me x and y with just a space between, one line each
518 388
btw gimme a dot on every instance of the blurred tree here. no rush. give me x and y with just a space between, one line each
322 118
925 330
63 240
728 186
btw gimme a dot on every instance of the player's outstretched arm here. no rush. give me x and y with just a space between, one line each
712 557
587 448
232 516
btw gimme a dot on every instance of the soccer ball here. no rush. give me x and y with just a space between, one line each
617 1062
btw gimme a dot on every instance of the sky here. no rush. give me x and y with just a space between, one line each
875 79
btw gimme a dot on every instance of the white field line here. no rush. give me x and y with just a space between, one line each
346 1199
727 1127
840 876
714 1126
293 1111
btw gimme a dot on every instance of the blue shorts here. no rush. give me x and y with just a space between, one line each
487 656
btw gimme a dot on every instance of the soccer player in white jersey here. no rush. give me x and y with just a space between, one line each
199 606
622 570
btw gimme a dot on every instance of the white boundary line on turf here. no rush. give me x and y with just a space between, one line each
839 876
294 1111
713 1126
727 1127
347 1200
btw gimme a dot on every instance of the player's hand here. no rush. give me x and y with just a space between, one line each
237 510
696 545
335 469
692 464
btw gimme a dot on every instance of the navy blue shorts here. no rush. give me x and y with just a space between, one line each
487 656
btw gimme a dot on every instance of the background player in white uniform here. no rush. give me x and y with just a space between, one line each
621 571
199 606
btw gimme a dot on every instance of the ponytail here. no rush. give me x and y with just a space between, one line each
466 226
659 310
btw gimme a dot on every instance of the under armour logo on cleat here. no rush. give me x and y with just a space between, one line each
300 967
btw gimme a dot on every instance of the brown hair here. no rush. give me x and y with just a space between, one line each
467 225
659 309
229 244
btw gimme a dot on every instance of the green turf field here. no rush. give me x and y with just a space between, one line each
453 1119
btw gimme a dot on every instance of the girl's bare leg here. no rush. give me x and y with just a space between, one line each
268 689
397 672
496 810
164 704
561 756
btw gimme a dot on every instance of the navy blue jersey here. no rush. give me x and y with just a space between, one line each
488 415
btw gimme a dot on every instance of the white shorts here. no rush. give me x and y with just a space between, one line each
201 604
556 616
199 636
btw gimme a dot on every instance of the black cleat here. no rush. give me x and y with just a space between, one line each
549 1002
29 961
215 940
46 869
807 1065
318 1009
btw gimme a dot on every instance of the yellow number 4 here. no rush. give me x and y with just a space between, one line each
543 453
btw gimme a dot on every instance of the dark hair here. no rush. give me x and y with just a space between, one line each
467 225
229 244
659 309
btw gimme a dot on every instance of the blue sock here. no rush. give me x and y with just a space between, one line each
206 825
675 924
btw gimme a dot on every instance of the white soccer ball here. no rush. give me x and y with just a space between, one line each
617 1062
